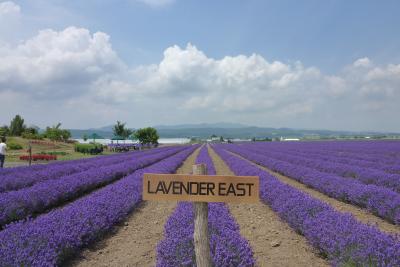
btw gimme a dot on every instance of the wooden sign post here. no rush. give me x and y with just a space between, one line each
30 153
200 236
201 188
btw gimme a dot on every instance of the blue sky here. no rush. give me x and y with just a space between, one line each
327 34
303 64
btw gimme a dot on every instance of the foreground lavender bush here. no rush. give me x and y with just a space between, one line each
338 236
227 246
51 238
381 201
21 177
19 204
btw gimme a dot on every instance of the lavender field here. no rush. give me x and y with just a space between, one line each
183 133
50 214
56 224
340 237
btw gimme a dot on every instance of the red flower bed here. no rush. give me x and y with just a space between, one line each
39 157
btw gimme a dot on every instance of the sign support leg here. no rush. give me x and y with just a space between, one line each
201 238
30 154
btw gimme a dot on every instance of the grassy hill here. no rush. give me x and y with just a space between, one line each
46 146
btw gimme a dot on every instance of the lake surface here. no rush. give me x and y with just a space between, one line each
161 141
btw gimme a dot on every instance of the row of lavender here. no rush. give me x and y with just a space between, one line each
51 238
385 153
315 150
381 201
15 205
21 177
338 236
227 246
384 148
312 151
340 157
362 174
38 167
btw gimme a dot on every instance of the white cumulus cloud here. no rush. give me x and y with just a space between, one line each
9 8
57 63
156 3
362 62
188 81
237 83
10 14
79 75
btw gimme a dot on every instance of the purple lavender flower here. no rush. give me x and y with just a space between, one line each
379 200
51 238
227 246
341 238
15 205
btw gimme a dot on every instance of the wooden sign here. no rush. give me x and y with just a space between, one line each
201 188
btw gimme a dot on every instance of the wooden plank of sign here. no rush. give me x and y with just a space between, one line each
201 188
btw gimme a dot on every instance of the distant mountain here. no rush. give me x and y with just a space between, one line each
105 131
104 128
246 132
79 133
202 125
230 130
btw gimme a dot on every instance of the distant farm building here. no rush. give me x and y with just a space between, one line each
290 139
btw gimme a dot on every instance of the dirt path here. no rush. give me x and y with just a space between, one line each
274 243
134 242
8 164
360 214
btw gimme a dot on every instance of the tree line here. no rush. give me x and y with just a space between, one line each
146 135
17 127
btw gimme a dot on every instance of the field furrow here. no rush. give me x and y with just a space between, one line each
52 238
227 246
380 201
273 241
134 241
360 214
362 174
16 205
337 236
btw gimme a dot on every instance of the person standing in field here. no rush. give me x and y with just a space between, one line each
3 148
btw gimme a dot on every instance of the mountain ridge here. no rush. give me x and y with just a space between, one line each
231 130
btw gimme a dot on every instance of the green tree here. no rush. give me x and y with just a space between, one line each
17 126
55 133
121 130
85 138
147 135
32 130
4 131
127 133
132 136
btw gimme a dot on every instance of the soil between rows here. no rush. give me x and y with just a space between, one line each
360 214
134 243
274 243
